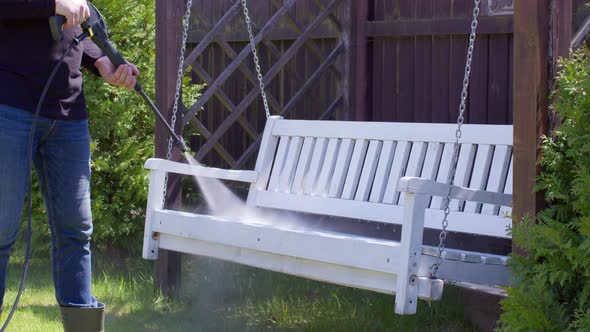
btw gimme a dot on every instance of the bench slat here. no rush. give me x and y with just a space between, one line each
382 173
266 154
464 169
355 168
443 173
341 168
497 177
359 252
414 168
279 163
400 160
395 131
200 171
368 173
432 162
319 152
288 173
506 211
481 172
303 165
327 170
392 214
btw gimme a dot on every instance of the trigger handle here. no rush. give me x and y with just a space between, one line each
56 25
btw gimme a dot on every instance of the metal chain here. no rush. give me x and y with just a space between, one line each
460 119
187 17
255 56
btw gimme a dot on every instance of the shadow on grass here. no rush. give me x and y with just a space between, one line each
221 296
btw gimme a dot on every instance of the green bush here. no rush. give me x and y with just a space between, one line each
552 283
122 126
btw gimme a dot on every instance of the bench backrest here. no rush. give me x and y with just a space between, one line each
351 169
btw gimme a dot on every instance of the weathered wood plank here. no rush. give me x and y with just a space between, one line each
531 47
167 271
438 26
341 169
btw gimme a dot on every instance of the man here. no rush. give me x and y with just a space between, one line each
61 145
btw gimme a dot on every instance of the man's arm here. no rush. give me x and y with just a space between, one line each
96 62
26 8
90 54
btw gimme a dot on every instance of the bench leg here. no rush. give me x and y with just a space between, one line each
155 201
406 296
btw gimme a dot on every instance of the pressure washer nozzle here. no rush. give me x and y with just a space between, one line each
180 144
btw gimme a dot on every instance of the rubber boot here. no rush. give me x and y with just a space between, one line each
83 319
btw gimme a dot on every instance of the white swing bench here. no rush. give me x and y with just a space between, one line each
380 172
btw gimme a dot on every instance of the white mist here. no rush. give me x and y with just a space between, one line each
223 203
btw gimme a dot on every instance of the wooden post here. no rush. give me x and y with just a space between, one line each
561 39
168 41
562 22
531 88
357 66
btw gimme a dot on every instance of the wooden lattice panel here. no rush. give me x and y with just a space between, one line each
301 45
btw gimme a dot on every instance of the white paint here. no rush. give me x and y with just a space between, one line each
341 168
355 168
382 172
400 160
368 173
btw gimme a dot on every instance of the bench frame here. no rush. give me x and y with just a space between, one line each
383 266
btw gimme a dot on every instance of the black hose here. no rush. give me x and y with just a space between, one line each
29 183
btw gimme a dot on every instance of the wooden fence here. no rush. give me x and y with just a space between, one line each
379 60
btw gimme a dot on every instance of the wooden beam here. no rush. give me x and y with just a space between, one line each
561 23
377 29
168 39
357 81
531 89
438 26
581 35
561 41
284 31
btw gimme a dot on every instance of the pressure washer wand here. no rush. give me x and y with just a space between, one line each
176 140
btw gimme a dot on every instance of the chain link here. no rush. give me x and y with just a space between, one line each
187 17
255 56
460 119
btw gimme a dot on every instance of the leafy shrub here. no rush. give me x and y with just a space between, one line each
122 126
552 290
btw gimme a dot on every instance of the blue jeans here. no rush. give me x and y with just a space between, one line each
61 155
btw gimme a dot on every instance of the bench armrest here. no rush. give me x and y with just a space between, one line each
432 188
168 166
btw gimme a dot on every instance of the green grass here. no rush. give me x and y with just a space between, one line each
219 296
